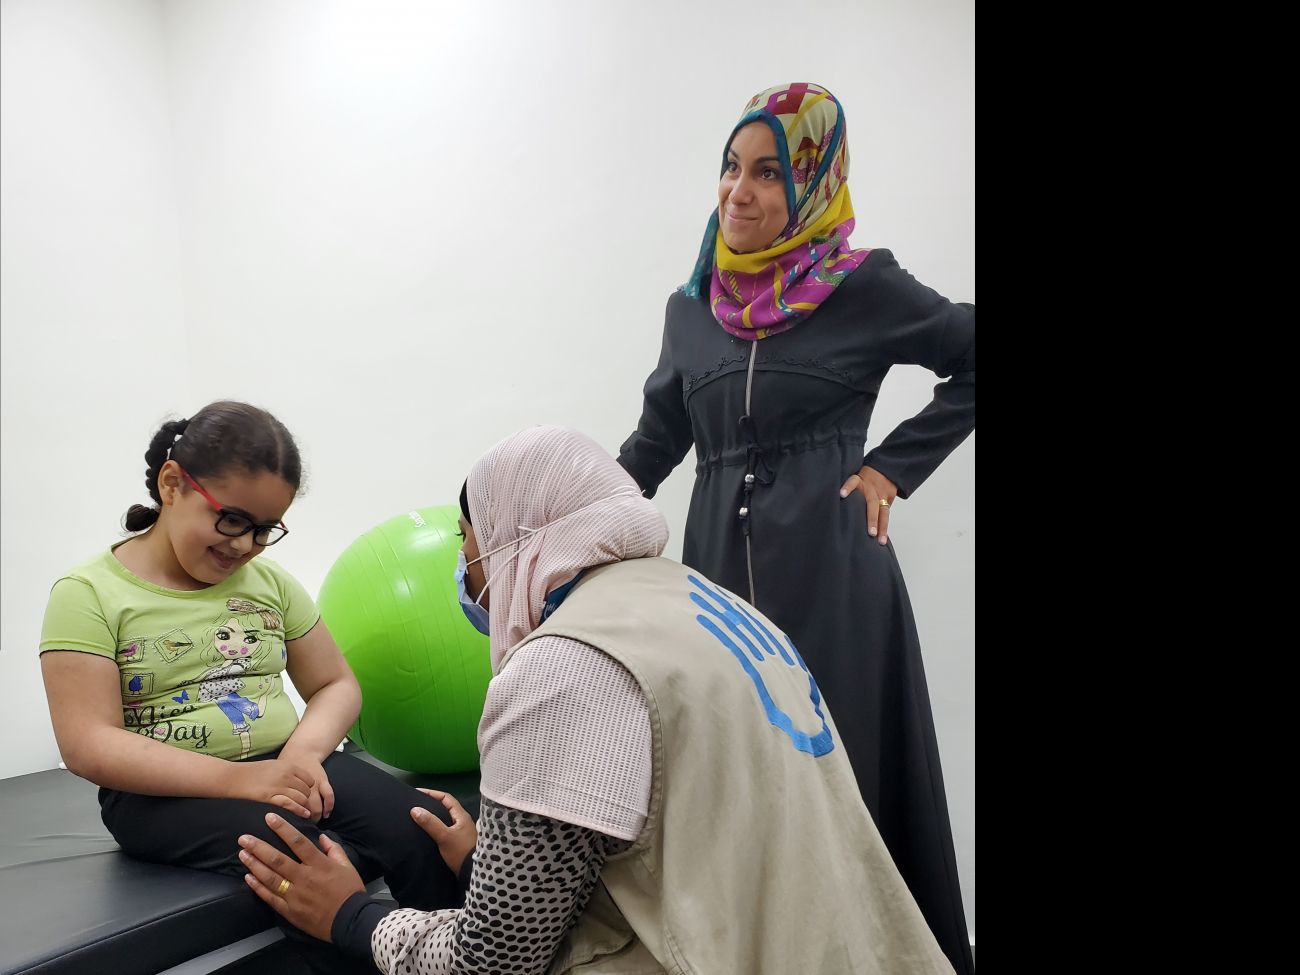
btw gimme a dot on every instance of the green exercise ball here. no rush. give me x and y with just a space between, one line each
390 602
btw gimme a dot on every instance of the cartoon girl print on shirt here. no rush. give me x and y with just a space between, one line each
237 641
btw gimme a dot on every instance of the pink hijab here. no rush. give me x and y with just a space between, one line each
545 504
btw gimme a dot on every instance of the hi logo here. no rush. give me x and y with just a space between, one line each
755 648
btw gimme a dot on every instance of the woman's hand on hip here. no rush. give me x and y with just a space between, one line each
879 492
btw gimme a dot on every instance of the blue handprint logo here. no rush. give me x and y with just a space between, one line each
743 628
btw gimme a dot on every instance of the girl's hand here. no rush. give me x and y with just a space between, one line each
276 781
320 800
879 492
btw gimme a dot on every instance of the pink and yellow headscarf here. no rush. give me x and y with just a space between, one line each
770 291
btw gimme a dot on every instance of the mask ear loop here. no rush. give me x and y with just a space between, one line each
530 533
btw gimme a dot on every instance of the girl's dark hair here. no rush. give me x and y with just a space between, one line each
220 437
464 501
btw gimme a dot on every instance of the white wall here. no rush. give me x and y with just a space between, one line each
410 228
93 337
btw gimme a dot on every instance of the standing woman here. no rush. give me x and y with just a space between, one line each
773 355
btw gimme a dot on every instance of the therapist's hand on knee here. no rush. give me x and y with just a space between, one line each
309 890
455 842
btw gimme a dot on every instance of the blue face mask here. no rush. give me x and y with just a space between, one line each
476 614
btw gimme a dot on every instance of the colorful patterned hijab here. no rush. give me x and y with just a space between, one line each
770 291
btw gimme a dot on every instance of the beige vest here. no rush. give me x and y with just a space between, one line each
758 855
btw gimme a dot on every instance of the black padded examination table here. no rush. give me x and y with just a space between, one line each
72 902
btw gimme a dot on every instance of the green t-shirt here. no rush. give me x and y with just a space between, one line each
200 670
